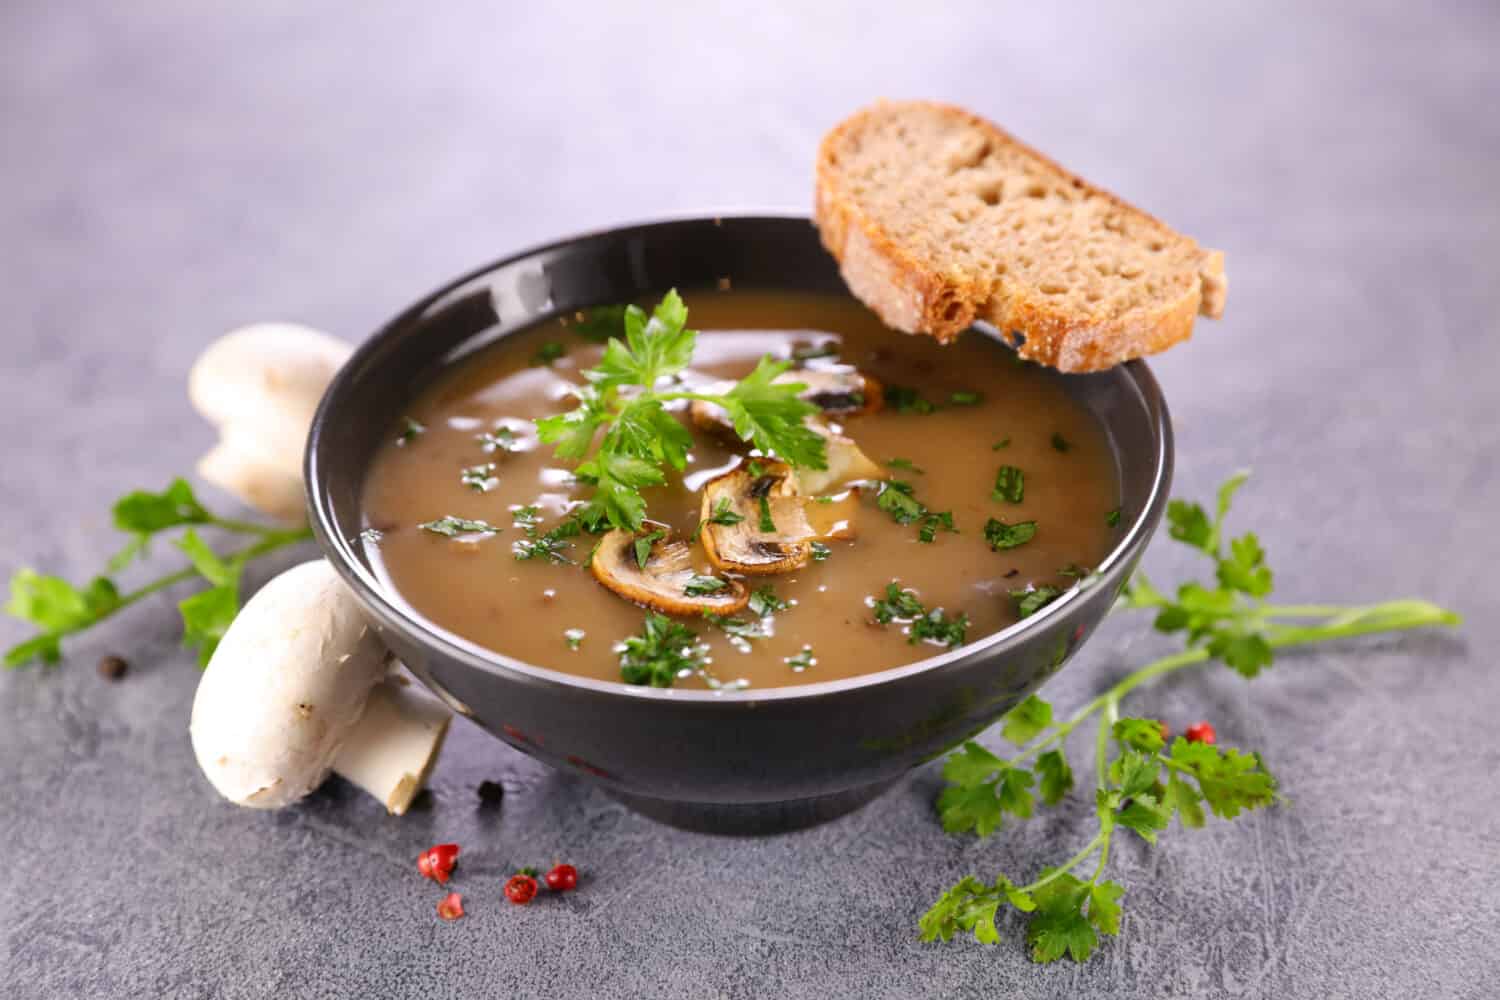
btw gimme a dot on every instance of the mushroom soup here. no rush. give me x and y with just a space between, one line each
951 491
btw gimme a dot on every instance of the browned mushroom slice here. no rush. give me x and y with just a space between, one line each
835 393
754 521
651 569
846 463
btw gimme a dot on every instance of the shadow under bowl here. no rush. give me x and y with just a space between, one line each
745 761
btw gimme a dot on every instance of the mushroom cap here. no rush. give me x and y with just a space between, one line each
265 368
742 547
845 462
837 393
661 583
286 684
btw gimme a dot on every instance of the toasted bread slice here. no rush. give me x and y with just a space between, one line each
939 218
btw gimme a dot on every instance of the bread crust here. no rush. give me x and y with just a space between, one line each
916 296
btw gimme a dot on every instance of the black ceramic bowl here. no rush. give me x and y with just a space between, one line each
755 759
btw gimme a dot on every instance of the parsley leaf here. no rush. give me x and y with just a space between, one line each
1000 535
765 602
897 605
451 527
1060 926
895 498
549 352
664 651
722 514
803 660
480 478
699 586
410 431
1055 777
1026 721
933 522
1033 599
1010 485
639 436
905 399
904 463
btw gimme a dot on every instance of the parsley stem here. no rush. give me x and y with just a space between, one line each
1101 740
1100 840
1343 623
274 539
243 527
1300 610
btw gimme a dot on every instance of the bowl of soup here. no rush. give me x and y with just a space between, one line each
767 642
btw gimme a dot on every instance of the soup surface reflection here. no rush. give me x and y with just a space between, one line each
953 417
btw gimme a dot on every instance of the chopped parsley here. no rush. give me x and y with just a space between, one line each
1112 518
933 522
1002 443
723 515
1010 485
499 439
701 586
574 637
528 516
739 630
766 524
548 353
802 661
480 478
1074 570
905 399
895 498
966 398
898 604
643 546
935 627
1008 536
820 552
664 651
410 431
451 527
1033 599
904 463
765 602
901 605
1060 443
550 546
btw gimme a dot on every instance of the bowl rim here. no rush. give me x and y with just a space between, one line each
393 613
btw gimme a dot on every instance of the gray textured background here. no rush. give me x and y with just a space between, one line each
166 175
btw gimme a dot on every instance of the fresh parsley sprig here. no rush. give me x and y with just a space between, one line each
639 438
59 609
1141 781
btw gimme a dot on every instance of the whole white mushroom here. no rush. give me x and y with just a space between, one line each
260 385
300 686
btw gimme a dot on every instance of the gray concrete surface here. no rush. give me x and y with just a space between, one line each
170 171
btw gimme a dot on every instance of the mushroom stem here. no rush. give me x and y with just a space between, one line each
391 749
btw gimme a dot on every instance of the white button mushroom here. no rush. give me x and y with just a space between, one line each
299 686
260 385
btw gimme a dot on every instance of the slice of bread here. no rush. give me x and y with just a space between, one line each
939 218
